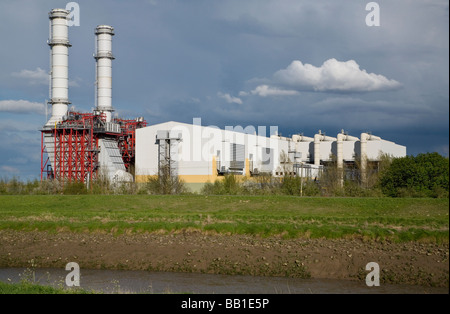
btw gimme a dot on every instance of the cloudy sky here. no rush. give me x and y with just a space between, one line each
301 65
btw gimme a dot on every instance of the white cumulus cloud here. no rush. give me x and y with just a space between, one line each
21 106
230 99
335 76
9 169
75 83
266 90
41 77
34 77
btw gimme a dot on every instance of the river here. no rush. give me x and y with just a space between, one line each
117 281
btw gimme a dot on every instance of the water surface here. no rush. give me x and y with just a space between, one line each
116 281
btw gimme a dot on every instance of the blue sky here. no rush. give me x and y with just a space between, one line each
299 65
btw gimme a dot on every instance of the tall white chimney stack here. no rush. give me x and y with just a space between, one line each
104 59
59 67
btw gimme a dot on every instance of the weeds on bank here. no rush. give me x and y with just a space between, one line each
31 284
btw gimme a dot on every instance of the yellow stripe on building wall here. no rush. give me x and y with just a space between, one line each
212 177
247 168
143 179
185 178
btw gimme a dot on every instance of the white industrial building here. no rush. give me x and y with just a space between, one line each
200 154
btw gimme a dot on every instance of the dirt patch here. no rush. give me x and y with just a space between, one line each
406 263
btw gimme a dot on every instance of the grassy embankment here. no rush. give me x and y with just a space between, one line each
29 288
392 219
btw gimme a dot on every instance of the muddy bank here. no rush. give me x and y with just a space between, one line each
401 263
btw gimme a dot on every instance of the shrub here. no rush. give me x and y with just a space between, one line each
3 187
354 189
165 184
425 175
291 185
48 187
75 188
229 185
262 184
311 188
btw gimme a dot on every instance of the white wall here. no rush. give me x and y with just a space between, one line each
200 144
304 148
349 151
376 148
393 149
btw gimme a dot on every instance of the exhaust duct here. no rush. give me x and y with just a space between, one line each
59 64
104 57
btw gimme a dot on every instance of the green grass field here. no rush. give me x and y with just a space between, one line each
402 219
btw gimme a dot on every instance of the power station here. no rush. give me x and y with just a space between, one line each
79 146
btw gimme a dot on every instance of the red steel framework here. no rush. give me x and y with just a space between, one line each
76 146
127 139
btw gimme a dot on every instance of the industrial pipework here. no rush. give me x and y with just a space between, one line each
59 64
341 137
301 138
365 137
104 57
318 138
